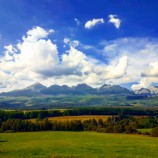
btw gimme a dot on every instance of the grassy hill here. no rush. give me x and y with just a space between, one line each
76 144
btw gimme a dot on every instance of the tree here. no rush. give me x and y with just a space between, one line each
0 123
40 115
129 129
100 123
154 132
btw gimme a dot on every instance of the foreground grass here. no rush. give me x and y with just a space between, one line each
76 144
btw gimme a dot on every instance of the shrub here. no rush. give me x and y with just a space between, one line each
129 129
154 132
109 129
146 133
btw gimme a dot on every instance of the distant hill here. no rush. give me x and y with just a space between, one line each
113 89
33 90
151 90
143 91
81 89
56 89
36 87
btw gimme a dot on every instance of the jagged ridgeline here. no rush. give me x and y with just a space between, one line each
38 96
38 89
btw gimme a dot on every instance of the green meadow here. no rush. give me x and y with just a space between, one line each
76 144
64 102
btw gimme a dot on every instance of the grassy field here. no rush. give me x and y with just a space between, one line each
145 130
82 118
76 144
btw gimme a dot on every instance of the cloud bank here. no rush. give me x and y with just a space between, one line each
142 56
36 58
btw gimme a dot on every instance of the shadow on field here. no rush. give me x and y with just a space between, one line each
2 141
58 156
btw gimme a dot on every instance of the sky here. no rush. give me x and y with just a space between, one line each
76 41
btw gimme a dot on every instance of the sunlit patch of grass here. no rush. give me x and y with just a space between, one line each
77 144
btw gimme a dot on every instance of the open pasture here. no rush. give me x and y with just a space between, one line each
76 144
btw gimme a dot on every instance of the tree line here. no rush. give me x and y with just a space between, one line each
41 114
114 124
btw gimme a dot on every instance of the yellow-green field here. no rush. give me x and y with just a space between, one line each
82 118
76 144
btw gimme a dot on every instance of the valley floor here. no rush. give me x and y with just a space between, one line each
76 144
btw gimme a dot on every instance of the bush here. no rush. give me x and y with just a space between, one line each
10 131
154 132
129 130
119 129
109 129
146 133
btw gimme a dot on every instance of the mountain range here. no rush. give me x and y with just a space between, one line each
38 89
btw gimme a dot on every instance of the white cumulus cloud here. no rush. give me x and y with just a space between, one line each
71 43
30 58
66 40
91 23
36 33
152 70
117 70
144 83
142 56
115 20
35 58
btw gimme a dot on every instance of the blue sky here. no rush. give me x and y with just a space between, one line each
92 41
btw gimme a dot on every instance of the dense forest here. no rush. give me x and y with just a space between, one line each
121 120
41 114
115 124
